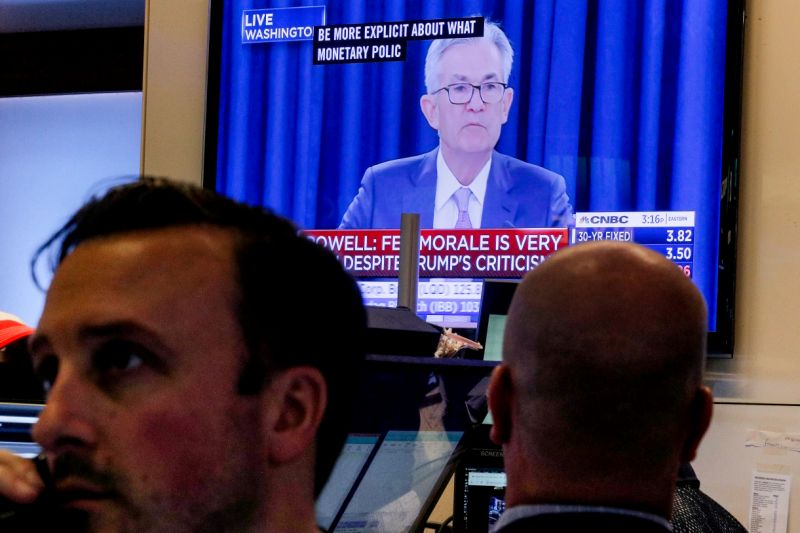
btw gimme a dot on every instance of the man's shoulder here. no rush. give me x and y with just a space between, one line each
404 164
522 171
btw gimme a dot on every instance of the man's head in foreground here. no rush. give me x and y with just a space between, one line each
599 397
185 392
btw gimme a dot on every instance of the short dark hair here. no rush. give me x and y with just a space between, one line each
291 289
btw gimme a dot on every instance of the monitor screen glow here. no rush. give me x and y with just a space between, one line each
620 121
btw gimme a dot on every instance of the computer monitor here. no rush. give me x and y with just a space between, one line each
410 416
495 302
349 468
401 483
480 483
16 423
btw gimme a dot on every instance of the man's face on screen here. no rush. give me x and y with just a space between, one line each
473 127
141 348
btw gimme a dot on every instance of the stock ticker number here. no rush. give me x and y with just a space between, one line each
679 253
681 235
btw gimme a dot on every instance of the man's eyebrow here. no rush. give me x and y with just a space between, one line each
95 332
489 76
122 328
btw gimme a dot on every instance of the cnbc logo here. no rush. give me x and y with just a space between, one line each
595 219
608 219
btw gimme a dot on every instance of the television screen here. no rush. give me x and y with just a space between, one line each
513 128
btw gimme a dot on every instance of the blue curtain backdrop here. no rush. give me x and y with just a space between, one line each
624 98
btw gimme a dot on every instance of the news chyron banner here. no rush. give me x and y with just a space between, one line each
453 264
444 253
508 253
283 24
385 41
349 43
670 233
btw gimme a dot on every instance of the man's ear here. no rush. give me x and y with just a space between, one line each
500 394
430 109
702 407
508 99
294 403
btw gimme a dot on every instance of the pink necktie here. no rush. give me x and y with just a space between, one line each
461 196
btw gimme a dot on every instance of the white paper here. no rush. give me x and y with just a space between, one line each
769 503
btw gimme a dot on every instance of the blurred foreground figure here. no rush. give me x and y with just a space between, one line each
599 398
182 393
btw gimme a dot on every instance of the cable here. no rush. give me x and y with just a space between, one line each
445 524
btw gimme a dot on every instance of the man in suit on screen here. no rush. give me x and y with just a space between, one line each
597 403
464 182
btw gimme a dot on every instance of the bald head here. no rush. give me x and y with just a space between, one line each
603 350
606 304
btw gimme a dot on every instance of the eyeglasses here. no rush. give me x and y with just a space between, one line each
460 93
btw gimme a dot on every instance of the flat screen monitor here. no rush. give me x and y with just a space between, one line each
410 427
349 467
401 477
483 497
617 120
16 423
495 302
480 484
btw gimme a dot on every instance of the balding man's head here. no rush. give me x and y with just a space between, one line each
609 305
603 351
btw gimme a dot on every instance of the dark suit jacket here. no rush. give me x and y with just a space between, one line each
694 511
588 521
518 195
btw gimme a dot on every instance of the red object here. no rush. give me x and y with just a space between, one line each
11 329
445 253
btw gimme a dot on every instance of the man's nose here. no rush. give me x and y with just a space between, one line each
476 102
66 419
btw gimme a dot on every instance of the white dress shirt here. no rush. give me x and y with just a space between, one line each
445 213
